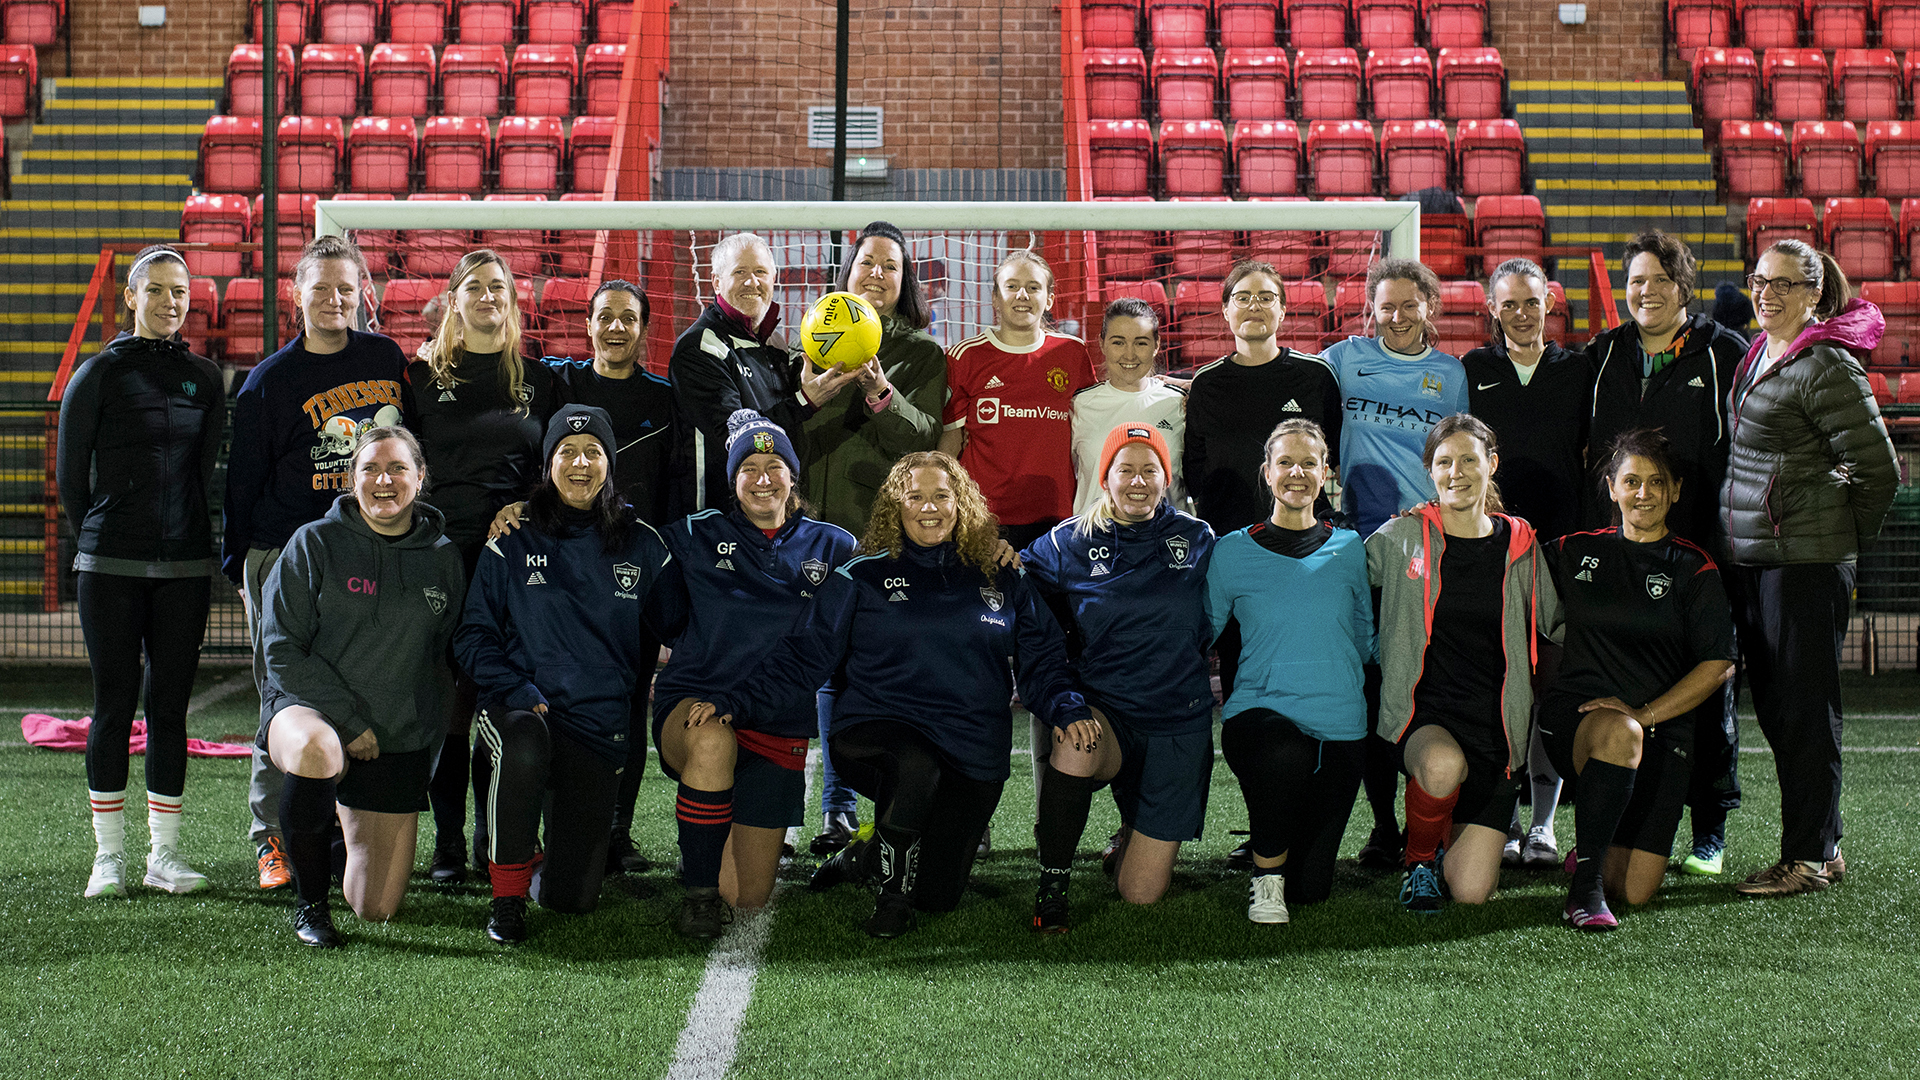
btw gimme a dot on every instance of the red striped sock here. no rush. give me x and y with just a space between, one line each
511 879
1429 820
163 820
706 818
109 823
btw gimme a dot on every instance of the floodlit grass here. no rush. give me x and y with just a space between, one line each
1700 983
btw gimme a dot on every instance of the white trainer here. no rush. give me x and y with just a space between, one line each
1267 903
109 870
170 873
1540 852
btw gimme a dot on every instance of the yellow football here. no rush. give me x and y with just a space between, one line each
841 330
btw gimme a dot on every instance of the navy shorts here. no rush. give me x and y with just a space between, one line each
1162 784
1660 785
389 784
766 795
1487 796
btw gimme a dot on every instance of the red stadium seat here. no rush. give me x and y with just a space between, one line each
589 150
1199 329
380 153
1349 315
1837 24
1456 24
19 81
566 303
1340 154
1328 82
543 80
1827 157
1882 393
1178 24
1256 84
1388 24
1266 157
230 154
1152 292
1444 239
573 251
1909 390
203 316
1122 152
378 245
1185 83
1769 24
330 79
433 252
1893 156
1899 23
1202 252
1351 252
1700 24
1869 82
1400 84
1316 24
1557 318
293 227
556 22
1769 220
1291 252
401 303
290 23
348 22
454 153
1305 327
1472 83
245 316
529 151
34 22
417 22
1104 24
1248 24
1128 253
470 79
522 248
1859 235
1116 84
308 150
1797 83
216 219
1753 158
1510 226
1193 157
486 22
1726 84
602 78
1416 154
244 85
400 80
1462 323
1493 158
1909 229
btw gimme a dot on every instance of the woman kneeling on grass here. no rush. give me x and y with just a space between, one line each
1457 663
1297 715
922 627
1647 621
360 609
1133 571
553 638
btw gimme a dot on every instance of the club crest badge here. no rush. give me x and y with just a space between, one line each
763 443
815 570
625 575
579 421
1658 585
190 387
992 596
436 598
1177 547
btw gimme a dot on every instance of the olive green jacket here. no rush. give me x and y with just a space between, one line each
850 448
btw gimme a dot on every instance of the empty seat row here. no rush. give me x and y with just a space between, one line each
1319 84
1318 24
1800 84
19 81
406 80
1861 234
1822 24
435 22
1825 156
32 22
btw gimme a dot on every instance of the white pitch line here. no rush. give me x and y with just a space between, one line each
223 689
712 1036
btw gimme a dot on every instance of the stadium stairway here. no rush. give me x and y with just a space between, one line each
1611 159
108 161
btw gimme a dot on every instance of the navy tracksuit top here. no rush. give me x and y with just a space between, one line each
1139 598
743 592
556 621
924 639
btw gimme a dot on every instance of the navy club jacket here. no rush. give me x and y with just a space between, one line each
742 592
923 639
1138 594
556 621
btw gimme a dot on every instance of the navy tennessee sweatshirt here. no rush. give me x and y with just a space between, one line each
1138 594
924 639
743 592
554 620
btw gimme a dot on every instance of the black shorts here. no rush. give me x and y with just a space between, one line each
389 784
766 795
1487 796
1659 787
1162 784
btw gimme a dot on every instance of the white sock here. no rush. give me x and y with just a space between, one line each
109 824
1545 783
163 820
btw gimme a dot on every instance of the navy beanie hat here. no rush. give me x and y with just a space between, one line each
578 420
750 433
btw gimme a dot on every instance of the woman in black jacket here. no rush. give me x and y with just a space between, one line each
140 429
1809 481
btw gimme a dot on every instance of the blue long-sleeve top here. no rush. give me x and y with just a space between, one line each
924 639
1138 594
555 620
743 591
1306 625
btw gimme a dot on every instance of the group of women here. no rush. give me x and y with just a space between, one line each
895 647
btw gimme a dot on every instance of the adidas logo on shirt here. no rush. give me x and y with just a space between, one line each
1584 575
1290 406
447 395
723 564
1165 425
897 596
536 578
1695 381
994 383
1099 570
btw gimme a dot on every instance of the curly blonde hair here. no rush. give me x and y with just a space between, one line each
976 532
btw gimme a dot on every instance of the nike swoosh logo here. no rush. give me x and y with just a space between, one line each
1364 374
1485 385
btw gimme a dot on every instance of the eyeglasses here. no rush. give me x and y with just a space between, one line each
1785 285
1247 299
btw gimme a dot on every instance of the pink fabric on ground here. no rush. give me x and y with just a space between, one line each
53 733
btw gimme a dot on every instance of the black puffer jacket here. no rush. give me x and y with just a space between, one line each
1812 472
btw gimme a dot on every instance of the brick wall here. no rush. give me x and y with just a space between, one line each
1620 40
107 39
965 83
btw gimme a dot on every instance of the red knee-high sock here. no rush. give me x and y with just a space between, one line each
1429 820
514 879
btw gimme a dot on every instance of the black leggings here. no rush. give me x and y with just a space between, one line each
1299 793
121 618
537 769
915 789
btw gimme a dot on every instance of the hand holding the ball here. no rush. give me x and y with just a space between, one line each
873 379
822 385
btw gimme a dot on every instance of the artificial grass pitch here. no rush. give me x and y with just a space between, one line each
1699 983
